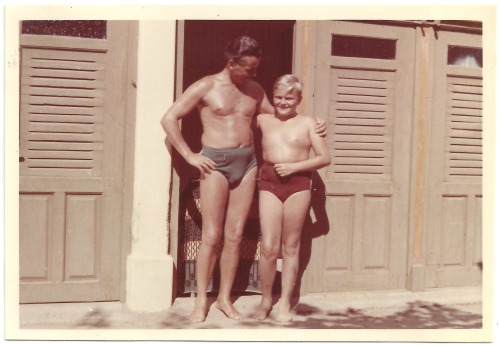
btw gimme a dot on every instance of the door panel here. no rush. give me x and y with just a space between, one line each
366 101
71 155
453 256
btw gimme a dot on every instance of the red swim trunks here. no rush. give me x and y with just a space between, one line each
283 187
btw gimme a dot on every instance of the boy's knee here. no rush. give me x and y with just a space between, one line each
290 250
233 238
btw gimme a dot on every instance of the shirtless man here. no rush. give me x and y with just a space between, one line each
227 102
285 189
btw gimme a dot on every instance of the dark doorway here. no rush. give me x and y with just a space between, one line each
204 43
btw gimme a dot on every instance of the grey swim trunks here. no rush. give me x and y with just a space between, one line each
232 163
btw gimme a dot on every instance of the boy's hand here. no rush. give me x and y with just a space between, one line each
284 169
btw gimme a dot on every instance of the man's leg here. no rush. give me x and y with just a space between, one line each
295 211
271 216
240 200
213 198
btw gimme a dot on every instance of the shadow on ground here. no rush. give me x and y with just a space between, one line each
417 315
95 318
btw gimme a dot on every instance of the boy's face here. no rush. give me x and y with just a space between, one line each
285 101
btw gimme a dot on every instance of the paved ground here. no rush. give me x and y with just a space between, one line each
457 308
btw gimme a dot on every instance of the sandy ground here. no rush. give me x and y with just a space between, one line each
458 308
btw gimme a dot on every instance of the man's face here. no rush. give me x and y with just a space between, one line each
244 68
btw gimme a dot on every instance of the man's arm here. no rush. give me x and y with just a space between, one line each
266 106
170 123
320 128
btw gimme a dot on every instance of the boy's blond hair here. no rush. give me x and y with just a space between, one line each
291 82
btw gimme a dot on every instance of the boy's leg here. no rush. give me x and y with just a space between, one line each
238 207
270 215
296 208
213 198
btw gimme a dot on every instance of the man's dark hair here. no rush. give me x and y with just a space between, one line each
242 46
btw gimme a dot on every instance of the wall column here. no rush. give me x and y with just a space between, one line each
416 278
149 266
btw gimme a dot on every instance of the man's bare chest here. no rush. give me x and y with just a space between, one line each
229 103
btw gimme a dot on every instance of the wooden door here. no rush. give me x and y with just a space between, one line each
72 115
364 89
453 250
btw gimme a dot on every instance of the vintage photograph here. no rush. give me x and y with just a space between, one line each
317 175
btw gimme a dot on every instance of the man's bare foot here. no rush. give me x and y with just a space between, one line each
199 313
263 310
228 309
284 314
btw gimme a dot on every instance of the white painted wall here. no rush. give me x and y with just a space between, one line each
149 267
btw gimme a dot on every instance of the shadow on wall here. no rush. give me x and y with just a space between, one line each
313 228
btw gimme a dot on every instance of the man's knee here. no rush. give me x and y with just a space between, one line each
269 251
211 239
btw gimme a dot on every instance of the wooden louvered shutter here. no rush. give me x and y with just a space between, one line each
72 116
362 112
454 208
62 112
463 152
365 96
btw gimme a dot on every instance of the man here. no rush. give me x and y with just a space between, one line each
227 102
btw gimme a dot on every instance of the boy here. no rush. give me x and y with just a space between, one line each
285 189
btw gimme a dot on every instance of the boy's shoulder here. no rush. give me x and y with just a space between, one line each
306 119
265 116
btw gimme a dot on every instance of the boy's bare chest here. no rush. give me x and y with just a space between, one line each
286 132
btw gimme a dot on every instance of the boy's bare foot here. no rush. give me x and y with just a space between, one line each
284 314
263 310
199 313
228 309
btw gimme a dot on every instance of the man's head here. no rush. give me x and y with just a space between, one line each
242 46
242 56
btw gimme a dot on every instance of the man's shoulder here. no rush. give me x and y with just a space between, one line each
254 86
206 81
